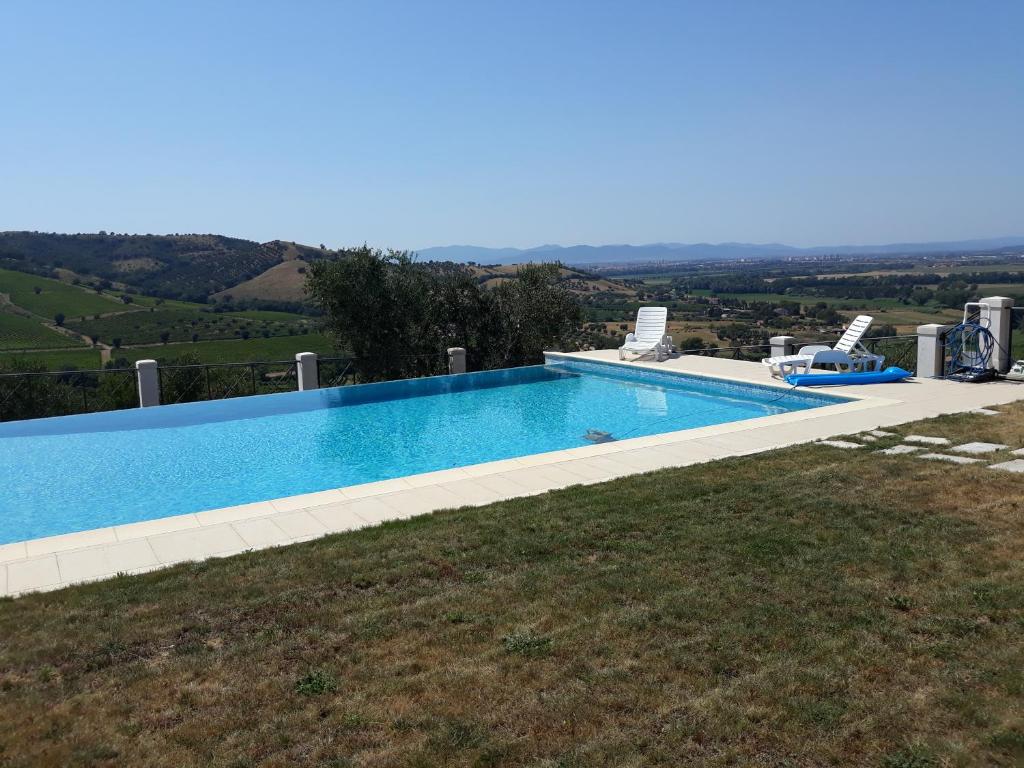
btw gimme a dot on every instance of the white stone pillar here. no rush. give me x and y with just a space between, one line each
456 360
931 353
998 318
782 345
149 382
306 371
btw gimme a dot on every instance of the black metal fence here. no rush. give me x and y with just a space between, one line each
342 371
36 395
898 350
219 381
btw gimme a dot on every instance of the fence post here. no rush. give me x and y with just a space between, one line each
306 371
456 360
931 352
782 345
149 382
1000 320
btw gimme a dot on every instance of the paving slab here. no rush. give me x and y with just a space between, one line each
985 412
1016 465
196 543
98 562
979 447
260 533
881 433
898 450
1018 452
950 459
926 440
300 525
32 574
840 444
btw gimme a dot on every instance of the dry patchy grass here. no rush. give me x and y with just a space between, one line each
806 607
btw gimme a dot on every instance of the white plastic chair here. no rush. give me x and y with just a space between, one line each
649 335
847 355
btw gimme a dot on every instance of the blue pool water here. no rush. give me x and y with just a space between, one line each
79 472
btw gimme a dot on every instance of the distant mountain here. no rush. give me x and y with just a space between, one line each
608 254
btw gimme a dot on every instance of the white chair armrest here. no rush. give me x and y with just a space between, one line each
630 337
813 349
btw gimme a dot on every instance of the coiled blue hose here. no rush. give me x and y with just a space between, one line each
969 348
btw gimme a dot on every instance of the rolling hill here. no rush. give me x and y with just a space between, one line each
190 267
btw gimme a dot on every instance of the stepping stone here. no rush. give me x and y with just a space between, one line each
985 412
925 440
881 433
897 450
978 447
1017 465
840 444
1018 452
950 459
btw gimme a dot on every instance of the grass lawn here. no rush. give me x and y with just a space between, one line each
806 607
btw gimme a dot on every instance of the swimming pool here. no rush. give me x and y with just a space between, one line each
75 473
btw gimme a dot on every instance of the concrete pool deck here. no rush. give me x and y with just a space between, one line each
59 561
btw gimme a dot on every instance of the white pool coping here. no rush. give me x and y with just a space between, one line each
58 561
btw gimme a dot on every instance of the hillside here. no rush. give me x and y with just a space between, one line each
190 267
578 281
282 282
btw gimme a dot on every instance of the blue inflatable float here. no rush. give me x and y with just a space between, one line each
889 375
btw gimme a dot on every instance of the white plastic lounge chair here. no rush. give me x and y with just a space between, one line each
649 335
847 355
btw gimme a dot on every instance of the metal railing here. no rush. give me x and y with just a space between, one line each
220 381
898 350
33 395
342 371
37 395
336 371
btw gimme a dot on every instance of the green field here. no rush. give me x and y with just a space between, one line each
252 350
810 300
146 326
54 296
83 359
151 301
17 332
265 315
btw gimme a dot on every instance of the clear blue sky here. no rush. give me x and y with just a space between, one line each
410 124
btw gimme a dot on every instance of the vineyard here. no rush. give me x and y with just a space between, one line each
18 332
156 325
46 297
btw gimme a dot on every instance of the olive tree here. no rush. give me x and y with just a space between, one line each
397 316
